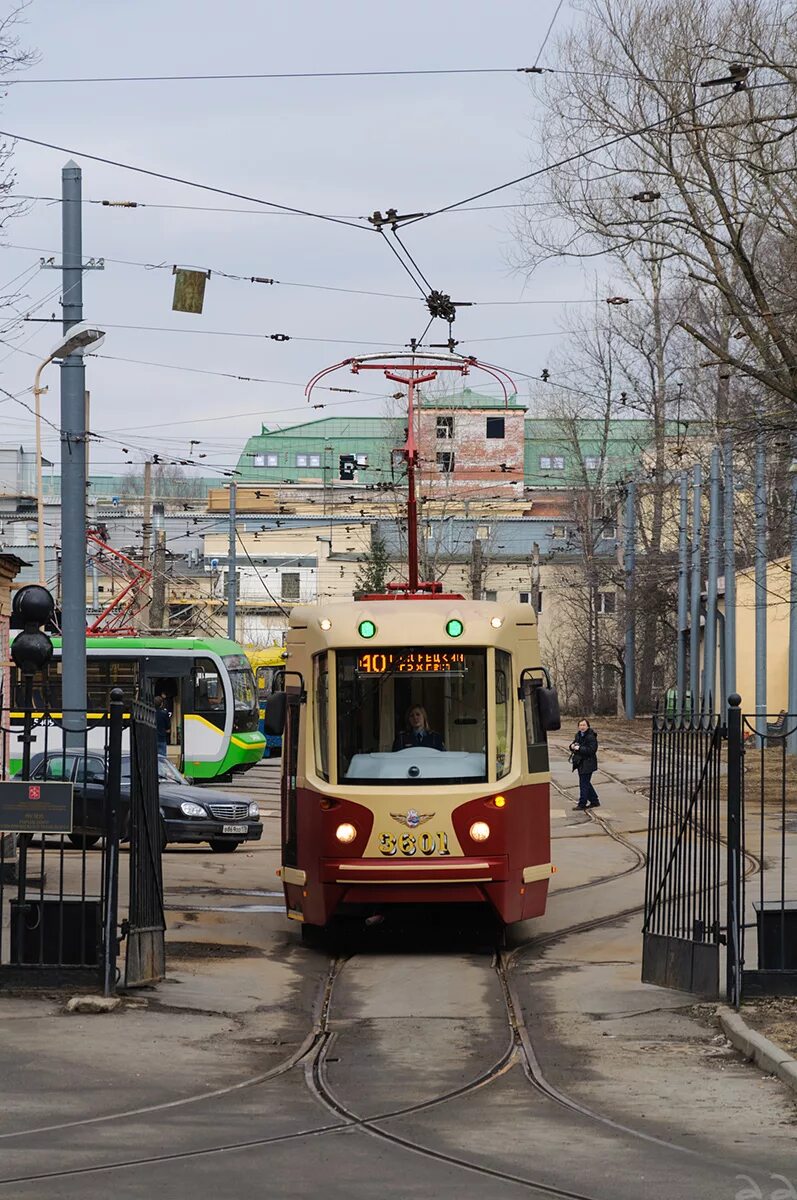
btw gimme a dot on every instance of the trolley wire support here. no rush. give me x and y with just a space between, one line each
411 370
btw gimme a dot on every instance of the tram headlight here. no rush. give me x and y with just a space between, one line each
496 622
325 624
479 831
189 809
254 809
346 832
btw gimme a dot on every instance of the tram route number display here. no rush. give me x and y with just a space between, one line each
408 844
413 662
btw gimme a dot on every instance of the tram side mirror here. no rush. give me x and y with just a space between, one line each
274 713
548 702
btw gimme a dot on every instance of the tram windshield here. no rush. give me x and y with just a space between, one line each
412 716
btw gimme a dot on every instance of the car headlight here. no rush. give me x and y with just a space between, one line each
189 809
479 831
254 809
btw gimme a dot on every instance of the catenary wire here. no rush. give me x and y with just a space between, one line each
579 154
205 187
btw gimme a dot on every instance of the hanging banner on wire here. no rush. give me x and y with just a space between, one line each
189 290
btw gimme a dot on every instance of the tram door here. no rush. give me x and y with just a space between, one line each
290 759
171 679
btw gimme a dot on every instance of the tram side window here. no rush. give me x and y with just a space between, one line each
321 715
46 689
104 674
209 692
536 742
503 713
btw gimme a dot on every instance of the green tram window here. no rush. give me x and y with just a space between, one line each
209 692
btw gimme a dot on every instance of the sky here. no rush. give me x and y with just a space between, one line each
333 146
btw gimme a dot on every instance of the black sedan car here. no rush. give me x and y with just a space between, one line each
188 813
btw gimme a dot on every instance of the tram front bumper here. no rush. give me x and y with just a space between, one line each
405 871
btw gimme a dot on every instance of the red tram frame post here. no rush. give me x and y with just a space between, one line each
407 370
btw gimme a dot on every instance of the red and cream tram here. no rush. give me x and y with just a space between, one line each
382 806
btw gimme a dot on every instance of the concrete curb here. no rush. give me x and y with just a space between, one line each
765 1054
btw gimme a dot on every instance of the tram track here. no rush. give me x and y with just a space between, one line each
314 1051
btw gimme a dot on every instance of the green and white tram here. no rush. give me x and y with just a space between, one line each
206 683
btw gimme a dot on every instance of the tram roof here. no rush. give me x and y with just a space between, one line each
221 646
414 621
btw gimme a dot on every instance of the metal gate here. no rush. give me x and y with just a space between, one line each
145 928
682 930
763 850
59 868
59 891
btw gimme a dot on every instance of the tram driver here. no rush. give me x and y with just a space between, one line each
417 732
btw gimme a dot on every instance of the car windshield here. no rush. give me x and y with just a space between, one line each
411 716
166 772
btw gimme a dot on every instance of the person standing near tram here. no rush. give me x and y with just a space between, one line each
584 757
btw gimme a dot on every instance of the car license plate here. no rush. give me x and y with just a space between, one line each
234 829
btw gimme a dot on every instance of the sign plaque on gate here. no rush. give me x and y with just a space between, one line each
28 807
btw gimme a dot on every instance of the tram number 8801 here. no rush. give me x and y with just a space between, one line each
391 844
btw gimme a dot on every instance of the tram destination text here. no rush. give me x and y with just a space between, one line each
411 662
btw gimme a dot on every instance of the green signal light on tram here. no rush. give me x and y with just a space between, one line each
366 629
455 628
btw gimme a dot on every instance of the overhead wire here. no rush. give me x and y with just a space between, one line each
205 187
579 154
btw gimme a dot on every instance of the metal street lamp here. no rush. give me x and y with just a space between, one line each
77 341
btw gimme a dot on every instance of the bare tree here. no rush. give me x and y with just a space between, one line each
702 178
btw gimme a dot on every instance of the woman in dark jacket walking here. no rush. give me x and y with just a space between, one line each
584 756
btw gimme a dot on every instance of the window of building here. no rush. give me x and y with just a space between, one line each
609 532
526 598
491 595
445 428
272 460
445 462
592 462
552 462
290 585
559 532
558 463
495 427
314 460
301 460
362 460
259 460
606 603
607 677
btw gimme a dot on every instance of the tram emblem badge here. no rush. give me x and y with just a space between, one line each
412 819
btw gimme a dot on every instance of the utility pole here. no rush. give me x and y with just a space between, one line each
73 467
712 581
232 567
157 611
760 585
146 534
694 618
730 564
683 592
629 564
791 740
476 569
